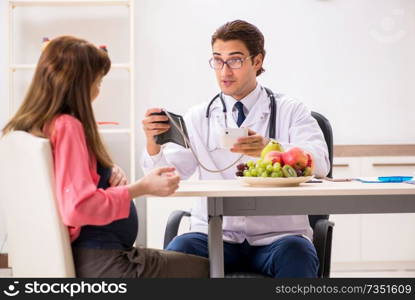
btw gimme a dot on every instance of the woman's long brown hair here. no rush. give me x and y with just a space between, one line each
62 84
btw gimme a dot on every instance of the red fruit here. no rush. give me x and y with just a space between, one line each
296 158
274 156
310 161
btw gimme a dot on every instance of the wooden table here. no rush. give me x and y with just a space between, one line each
232 198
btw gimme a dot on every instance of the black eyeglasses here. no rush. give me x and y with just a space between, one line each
233 63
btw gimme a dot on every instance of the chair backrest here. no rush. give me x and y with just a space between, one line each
38 241
328 136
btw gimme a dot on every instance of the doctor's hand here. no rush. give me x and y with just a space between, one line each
251 145
152 125
152 128
118 177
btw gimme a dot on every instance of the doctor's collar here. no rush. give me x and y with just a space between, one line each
248 101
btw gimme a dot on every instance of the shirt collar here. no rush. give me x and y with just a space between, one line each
248 101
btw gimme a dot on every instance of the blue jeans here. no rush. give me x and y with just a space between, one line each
291 256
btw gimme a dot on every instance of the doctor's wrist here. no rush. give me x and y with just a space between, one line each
153 148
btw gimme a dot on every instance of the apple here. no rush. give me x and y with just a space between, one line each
274 157
296 158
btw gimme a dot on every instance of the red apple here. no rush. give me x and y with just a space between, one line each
296 158
274 156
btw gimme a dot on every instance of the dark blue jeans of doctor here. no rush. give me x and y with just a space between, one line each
288 257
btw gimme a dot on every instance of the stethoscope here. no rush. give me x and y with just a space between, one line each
271 126
272 118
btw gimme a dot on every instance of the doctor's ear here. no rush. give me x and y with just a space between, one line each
258 60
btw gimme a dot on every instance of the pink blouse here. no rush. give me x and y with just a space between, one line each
80 202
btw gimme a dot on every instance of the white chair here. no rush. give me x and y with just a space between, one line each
38 242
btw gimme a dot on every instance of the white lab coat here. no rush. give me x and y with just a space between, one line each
294 127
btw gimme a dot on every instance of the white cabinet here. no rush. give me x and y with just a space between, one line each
388 236
374 237
389 166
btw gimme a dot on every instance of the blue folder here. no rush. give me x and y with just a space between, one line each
385 179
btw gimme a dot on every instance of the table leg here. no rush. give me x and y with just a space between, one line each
215 242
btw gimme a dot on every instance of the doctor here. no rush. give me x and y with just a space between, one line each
277 246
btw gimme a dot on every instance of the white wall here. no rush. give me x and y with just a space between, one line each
352 60
4 107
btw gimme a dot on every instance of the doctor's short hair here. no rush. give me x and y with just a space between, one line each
245 32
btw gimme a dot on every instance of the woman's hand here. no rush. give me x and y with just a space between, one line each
118 177
251 145
159 182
